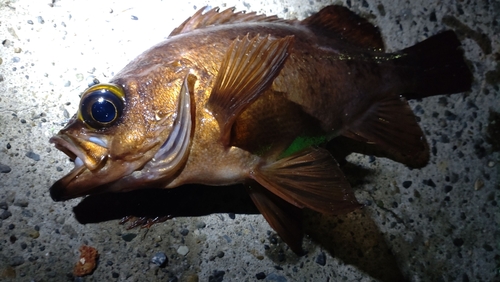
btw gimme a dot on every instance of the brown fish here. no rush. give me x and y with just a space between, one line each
233 98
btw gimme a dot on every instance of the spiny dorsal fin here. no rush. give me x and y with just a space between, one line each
247 70
339 21
213 17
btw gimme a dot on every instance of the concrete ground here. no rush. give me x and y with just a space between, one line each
439 223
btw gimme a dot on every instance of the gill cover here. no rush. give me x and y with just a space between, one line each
101 105
173 154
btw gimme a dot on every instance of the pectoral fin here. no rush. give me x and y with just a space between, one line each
283 217
248 69
310 178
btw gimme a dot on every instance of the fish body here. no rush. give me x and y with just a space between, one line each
244 98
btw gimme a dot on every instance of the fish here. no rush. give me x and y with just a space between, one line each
244 98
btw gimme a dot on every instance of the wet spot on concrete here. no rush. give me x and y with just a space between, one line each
493 77
463 30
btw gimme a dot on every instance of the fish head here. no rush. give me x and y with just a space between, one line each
129 133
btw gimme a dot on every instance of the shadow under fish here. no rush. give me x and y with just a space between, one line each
364 248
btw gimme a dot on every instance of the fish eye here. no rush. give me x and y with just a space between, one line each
101 105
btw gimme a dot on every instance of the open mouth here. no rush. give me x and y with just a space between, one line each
91 153
65 145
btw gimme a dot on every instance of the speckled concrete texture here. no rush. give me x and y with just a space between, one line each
439 223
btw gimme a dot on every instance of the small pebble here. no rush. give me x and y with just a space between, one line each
183 250
16 261
491 164
201 225
487 247
4 168
67 83
276 278
33 155
16 59
260 276
5 214
159 259
407 184
429 182
30 22
478 184
128 237
191 278
21 203
6 43
458 242
448 188
27 213
40 20
79 77
321 259
17 50
218 276
184 232
91 81
3 205
34 234
134 18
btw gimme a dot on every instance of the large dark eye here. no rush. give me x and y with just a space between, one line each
101 105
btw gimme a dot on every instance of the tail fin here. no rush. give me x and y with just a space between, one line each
440 64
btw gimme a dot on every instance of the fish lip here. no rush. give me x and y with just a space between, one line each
65 145
58 191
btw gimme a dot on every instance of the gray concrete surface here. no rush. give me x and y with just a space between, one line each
439 223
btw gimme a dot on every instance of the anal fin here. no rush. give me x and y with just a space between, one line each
308 179
283 217
390 125
248 69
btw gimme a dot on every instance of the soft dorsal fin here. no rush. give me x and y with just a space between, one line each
339 21
247 70
214 17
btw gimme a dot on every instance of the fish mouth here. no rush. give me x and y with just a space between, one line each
61 190
65 145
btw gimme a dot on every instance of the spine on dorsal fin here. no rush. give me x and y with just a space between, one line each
213 17
340 22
